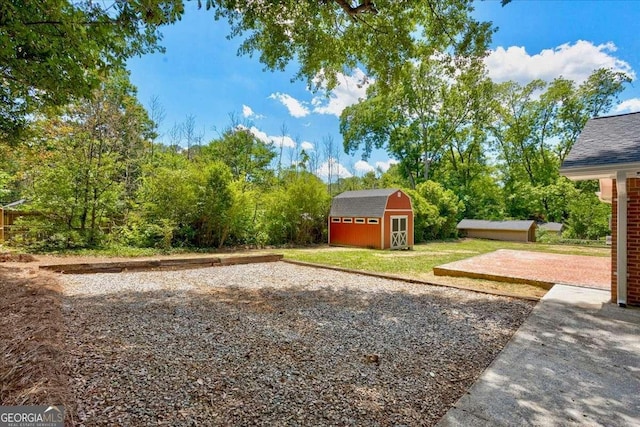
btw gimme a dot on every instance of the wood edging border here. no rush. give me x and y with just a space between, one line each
408 279
443 271
158 264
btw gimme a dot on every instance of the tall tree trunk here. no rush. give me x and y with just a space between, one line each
427 166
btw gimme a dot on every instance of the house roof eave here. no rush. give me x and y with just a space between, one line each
582 173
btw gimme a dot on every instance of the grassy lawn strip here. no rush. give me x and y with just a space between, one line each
419 263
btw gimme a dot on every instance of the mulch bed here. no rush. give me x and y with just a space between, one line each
32 340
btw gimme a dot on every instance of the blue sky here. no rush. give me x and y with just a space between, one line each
201 75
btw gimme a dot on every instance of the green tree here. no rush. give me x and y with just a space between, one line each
53 51
185 203
378 36
426 218
588 217
214 202
417 120
11 167
166 201
87 159
296 212
436 211
535 127
248 157
465 165
394 177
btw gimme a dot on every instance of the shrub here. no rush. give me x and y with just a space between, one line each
436 211
588 217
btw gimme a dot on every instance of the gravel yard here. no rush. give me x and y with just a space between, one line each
275 344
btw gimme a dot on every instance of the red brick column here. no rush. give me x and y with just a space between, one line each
614 244
633 241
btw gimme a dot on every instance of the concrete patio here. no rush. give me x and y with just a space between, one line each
575 361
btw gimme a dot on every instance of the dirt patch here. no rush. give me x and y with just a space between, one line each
32 340
10 257
398 254
395 254
516 289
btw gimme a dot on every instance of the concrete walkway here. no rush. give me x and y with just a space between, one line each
574 362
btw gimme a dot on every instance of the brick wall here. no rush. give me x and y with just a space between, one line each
633 242
614 244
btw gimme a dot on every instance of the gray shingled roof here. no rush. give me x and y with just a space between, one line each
362 203
480 224
611 140
552 226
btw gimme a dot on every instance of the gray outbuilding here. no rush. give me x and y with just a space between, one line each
515 231
552 227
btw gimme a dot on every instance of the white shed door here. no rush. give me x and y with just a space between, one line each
399 232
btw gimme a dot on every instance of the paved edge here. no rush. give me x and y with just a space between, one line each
158 264
408 279
533 364
451 272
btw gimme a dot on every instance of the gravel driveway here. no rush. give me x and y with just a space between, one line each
275 344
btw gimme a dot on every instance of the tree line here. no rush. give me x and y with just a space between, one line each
93 175
78 145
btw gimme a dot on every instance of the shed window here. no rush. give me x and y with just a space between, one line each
360 221
335 219
373 221
347 220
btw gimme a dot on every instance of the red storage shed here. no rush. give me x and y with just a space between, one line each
377 219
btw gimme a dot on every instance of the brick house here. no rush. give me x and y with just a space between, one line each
608 149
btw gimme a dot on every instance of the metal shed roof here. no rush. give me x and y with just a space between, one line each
552 226
610 140
480 224
362 203
14 204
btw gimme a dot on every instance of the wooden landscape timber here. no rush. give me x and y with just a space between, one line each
157 264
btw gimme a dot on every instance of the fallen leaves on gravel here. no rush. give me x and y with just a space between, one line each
267 344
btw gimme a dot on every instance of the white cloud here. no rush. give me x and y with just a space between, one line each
277 141
307 146
337 170
384 166
575 62
629 106
363 167
350 90
262 136
283 141
296 108
247 111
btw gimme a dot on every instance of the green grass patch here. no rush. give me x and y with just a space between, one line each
118 251
424 257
